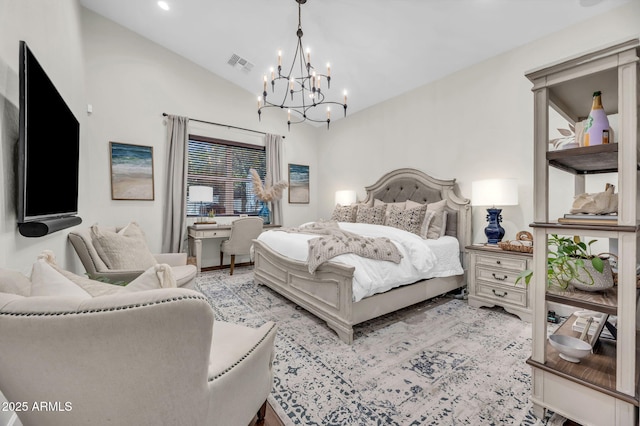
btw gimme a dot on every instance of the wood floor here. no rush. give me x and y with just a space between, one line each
270 419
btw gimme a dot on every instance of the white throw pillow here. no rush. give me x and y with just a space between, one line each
158 276
123 250
46 281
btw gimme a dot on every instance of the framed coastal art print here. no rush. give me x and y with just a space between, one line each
131 171
298 184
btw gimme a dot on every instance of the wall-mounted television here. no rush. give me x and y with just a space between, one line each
48 153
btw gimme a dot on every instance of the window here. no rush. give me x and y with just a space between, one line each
224 166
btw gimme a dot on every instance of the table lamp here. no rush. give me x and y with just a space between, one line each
494 192
346 197
200 194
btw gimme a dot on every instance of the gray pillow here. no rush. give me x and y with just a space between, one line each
123 250
438 225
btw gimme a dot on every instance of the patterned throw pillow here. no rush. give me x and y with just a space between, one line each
344 213
374 215
409 220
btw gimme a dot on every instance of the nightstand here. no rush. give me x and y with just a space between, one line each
492 276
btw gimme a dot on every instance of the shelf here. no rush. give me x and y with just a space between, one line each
587 159
600 301
596 371
568 228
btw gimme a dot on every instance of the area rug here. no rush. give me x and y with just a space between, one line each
440 362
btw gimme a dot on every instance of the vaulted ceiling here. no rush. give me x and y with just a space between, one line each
378 49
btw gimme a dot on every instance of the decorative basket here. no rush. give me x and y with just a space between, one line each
523 243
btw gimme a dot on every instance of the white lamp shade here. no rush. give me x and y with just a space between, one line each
345 198
494 192
200 194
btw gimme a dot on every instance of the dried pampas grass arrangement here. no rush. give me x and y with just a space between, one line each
264 192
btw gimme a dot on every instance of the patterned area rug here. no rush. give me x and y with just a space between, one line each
440 362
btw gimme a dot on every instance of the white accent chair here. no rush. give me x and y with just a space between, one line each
243 232
153 357
96 268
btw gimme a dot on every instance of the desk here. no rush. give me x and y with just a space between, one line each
198 233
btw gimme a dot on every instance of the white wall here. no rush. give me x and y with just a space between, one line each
52 31
130 82
471 125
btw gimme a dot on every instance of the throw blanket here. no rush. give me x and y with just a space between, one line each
335 241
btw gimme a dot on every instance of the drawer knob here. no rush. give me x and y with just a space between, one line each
495 293
497 262
498 278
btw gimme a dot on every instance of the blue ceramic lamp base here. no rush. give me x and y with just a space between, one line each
494 231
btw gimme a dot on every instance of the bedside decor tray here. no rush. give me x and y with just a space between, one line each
523 243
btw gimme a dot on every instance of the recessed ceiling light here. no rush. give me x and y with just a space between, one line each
163 5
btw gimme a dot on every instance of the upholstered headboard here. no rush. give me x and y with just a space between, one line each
411 184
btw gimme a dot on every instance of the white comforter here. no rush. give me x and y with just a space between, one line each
420 258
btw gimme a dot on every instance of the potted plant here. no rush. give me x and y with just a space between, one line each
570 262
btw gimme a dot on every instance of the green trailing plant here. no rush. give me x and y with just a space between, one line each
566 261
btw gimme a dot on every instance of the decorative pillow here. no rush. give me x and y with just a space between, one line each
395 206
125 249
374 215
424 228
344 213
409 220
46 281
438 225
14 282
158 276
412 204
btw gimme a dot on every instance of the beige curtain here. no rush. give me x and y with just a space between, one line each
273 144
174 231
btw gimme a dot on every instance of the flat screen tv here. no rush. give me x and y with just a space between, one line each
48 148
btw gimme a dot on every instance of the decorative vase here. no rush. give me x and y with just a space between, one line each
591 280
596 131
265 213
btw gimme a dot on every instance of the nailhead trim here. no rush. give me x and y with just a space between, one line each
93 311
231 367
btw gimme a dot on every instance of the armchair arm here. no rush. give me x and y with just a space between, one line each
172 259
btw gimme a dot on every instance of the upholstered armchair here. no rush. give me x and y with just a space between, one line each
94 257
153 357
243 232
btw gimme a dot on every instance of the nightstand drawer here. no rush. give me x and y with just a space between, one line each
502 262
502 294
498 276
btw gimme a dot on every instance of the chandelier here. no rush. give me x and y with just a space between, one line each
304 93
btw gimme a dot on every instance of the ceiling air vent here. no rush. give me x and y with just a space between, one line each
240 63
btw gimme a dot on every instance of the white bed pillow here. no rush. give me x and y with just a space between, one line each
123 250
46 281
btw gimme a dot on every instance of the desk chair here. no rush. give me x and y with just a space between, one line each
243 232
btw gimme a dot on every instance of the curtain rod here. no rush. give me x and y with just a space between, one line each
164 114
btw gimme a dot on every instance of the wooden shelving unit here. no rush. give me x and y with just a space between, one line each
603 388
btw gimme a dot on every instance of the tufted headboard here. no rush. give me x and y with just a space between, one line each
411 184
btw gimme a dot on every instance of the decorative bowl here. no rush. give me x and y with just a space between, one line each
571 348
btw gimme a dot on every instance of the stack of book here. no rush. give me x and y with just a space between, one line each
580 322
589 219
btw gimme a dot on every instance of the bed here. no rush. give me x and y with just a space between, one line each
329 292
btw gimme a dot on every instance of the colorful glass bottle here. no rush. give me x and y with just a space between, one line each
596 129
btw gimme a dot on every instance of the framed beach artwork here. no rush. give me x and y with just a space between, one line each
298 184
131 171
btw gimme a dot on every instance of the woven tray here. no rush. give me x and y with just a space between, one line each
523 243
